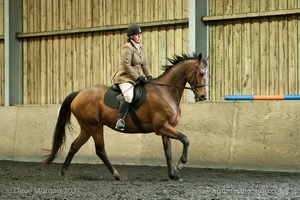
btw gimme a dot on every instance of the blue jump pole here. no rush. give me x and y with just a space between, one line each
261 97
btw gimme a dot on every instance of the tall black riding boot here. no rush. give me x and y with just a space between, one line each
123 109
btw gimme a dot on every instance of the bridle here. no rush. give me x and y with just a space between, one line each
196 85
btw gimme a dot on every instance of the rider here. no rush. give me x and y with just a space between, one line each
133 59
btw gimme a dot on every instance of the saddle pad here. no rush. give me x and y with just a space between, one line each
111 96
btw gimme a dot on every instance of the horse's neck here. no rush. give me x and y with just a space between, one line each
176 76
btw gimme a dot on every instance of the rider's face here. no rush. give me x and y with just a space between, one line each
137 38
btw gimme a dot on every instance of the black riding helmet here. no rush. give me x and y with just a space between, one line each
134 29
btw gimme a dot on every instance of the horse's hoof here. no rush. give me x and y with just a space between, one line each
179 179
175 178
117 176
176 169
62 173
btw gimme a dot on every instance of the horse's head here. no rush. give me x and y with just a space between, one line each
198 79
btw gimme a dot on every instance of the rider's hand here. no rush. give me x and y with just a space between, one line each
142 79
149 78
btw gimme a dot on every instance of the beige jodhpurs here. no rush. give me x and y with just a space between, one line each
127 90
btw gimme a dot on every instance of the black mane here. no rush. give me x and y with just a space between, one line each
176 59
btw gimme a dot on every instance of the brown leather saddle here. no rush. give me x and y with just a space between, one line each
114 95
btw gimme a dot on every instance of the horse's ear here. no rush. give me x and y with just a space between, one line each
200 57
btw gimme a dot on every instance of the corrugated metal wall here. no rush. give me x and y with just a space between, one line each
254 55
57 62
1 53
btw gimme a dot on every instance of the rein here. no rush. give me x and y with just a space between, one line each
193 87
184 87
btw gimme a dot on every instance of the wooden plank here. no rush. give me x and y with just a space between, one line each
75 51
88 44
153 60
246 51
137 7
185 9
101 50
36 55
162 10
131 11
155 10
123 12
81 45
178 28
62 52
283 51
251 15
49 52
96 43
43 54
106 52
146 11
292 49
170 51
25 52
31 70
274 57
212 54
229 70
217 62
116 56
170 14
183 21
68 51
56 53
237 49
109 15
178 34
255 49
265 51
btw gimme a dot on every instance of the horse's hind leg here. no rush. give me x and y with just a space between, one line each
101 153
75 146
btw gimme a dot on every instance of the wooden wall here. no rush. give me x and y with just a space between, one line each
1 53
254 55
56 63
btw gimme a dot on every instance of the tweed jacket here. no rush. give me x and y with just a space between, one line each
132 63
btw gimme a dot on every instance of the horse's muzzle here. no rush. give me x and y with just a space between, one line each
200 98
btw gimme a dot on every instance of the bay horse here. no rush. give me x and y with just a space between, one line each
159 113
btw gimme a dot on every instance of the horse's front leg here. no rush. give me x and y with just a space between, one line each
167 132
168 153
183 159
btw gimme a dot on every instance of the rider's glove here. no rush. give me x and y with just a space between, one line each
149 78
141 79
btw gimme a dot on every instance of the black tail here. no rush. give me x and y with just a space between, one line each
63 120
